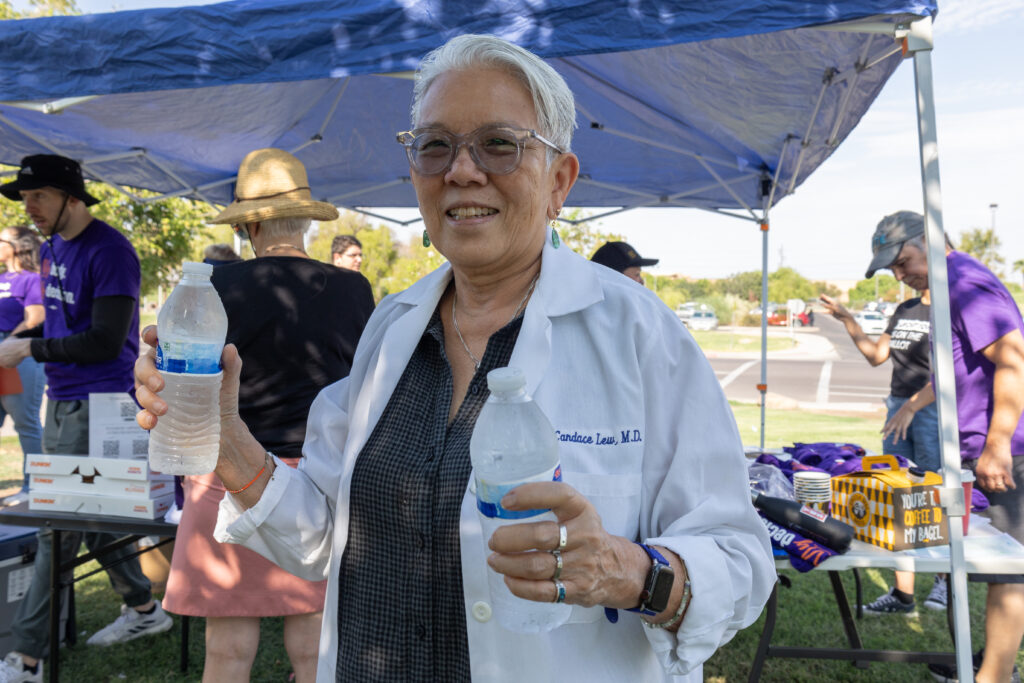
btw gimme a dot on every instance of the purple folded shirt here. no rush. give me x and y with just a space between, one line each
804 554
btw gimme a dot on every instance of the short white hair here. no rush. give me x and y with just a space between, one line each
283 227
552 99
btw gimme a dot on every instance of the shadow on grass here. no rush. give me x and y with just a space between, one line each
808 617
156 658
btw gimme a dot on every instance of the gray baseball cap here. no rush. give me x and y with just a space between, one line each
889 237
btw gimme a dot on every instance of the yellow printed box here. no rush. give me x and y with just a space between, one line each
888 509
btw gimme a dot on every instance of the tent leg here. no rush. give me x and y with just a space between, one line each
919 42
763 386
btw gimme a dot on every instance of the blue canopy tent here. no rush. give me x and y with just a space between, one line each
722 105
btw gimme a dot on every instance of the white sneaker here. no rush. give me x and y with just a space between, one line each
937 597
131 625
12 670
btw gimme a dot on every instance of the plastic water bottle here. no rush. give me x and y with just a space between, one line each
513 443
192 326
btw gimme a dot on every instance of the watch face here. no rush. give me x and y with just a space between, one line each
661 590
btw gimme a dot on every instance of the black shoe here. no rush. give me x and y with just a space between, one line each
890 604
945 673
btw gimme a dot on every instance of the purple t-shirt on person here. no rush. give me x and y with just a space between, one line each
99 262
18 289
981 311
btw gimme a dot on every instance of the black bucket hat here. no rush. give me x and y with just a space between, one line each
49 170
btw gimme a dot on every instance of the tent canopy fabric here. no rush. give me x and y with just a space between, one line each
702 105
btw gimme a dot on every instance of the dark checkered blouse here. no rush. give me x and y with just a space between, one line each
401 615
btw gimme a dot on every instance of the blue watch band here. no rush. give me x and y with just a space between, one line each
657 558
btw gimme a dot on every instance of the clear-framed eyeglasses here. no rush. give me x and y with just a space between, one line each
494 149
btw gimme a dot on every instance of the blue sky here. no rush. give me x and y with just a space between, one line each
824 229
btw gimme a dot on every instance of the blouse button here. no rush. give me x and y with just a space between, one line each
481 611
474 390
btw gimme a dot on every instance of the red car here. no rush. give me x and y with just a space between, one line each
781 317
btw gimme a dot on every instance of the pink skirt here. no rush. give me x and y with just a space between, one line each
211 579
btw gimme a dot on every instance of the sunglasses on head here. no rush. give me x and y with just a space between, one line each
494 148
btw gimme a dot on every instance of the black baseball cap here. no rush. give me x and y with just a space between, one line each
49 170
892 232
619 256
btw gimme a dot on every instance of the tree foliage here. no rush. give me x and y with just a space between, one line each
164 232
983 244
584 237
886 286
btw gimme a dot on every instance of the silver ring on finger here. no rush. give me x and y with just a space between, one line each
563 537
557 554
559 591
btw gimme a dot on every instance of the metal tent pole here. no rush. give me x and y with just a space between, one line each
919 42
763 386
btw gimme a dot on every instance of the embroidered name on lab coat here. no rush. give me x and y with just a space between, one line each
610 438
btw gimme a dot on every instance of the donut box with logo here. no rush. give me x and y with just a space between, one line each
103 486
886 508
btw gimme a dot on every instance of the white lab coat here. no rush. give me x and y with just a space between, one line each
602 356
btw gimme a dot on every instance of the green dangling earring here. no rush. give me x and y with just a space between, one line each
555 240
426 239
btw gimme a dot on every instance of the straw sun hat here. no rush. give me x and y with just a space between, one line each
272 184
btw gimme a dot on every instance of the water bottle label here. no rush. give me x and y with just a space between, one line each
488 495
192 358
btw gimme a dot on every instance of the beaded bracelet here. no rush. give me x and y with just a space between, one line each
258 475
684 603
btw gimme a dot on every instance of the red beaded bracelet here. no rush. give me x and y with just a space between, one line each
258 475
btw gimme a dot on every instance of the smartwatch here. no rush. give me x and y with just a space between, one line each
654 598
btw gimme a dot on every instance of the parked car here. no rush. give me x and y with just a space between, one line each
781 317
871 322
702 320
685 311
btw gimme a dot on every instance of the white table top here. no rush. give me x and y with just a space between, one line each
986 550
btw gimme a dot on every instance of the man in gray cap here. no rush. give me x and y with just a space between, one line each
988 364
621 256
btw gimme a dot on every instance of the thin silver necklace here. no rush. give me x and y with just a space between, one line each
455 321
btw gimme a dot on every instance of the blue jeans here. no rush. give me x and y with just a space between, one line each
922 442
24 408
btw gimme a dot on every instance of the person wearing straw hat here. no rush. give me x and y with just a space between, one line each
295 322
89 341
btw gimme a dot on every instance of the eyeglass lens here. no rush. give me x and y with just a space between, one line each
494 149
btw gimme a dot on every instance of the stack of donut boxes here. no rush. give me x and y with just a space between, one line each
114 479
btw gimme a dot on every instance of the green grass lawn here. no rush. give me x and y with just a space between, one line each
807 611
722 340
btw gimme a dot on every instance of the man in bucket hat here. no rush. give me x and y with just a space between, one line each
988 365
89 342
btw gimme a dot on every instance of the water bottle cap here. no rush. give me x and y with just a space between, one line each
193 268
505 379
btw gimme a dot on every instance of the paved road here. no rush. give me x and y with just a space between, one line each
838 378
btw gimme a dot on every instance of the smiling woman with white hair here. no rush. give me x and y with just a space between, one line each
656 548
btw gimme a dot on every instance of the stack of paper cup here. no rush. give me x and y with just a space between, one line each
967 481
813 489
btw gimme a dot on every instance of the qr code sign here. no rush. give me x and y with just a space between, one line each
18 581
111 448
140 447
128 410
